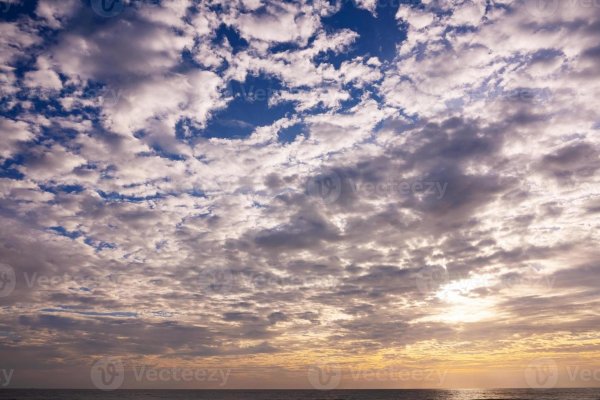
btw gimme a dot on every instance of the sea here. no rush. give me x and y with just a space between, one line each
496 394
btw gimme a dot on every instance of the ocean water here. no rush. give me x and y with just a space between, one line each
497 394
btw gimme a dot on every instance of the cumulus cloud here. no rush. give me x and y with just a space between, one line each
14 133
279 22
394 208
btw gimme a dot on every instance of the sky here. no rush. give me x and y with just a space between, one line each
299 194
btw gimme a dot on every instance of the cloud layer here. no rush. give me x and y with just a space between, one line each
257 185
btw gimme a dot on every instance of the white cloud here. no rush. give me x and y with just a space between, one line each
504 113
418 19
193 95
55 12
13 133
46 164
281 22
44 77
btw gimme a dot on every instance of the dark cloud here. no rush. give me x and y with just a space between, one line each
578 160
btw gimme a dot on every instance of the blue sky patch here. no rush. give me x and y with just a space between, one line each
63 232
379 35
237 42
248 110
288 135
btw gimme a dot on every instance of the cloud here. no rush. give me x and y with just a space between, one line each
438 204
278 22
14 133
44 77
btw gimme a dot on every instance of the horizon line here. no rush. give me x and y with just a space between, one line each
310 389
